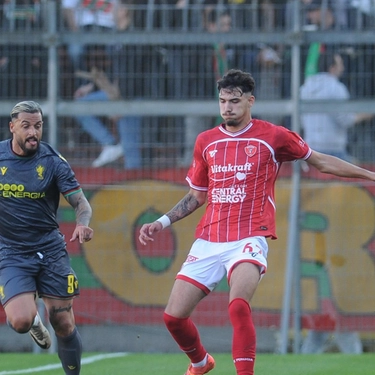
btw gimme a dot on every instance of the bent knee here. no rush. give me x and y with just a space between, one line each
21 324
62 326
171 322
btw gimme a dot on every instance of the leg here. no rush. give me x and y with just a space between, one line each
22 316
98 131
75 52
348 342
314 342
130 131
69 345
243 283
20 312
182 301
92 125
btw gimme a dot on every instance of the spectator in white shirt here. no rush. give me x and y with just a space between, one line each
89 15
328 132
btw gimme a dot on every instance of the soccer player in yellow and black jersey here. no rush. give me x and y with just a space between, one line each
33 256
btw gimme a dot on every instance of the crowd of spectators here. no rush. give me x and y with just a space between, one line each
118 71
182 71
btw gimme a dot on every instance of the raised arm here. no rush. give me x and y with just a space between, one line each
338 167
83 211
187 205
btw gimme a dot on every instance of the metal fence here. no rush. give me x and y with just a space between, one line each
171 57
165 60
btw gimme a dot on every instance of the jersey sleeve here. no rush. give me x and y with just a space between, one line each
66 180
197 176
290 146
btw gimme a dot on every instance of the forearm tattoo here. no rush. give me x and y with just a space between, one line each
82 208
183 208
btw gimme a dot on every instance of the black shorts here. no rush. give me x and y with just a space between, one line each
48 274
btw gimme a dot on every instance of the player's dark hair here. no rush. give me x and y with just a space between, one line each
27 106
235 78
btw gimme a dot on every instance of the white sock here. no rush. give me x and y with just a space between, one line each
36 320
201 363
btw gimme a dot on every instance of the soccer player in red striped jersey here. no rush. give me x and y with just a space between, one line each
233 172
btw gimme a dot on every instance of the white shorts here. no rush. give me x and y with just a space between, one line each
208 262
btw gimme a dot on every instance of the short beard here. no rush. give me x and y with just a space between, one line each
27 151
30 152
231 123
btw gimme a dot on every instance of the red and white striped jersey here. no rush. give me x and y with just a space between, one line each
238 171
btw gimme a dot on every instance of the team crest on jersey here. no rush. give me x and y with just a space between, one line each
250 150
40 171
4 170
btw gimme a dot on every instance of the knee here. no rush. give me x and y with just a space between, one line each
21 323
239 308
62 325
173 324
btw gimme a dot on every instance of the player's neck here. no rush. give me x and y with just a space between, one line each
238 127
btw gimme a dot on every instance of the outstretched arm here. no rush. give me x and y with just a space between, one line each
187 205
338 167
83 210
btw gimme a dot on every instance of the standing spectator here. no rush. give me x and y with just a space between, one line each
218 58
327 132
233 173
87 15
242 11
264 61
127 73
34 260
23 68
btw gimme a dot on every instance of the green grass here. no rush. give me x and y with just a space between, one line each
176 364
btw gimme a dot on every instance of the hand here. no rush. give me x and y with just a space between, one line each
148 230
83 90
83 233
104 84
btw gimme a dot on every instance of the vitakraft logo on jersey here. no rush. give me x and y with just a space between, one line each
231 168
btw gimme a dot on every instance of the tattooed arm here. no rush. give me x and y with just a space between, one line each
83 216
187 205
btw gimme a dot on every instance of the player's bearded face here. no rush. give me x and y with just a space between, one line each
234 107
29 146
27 133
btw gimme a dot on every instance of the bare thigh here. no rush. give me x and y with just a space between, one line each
21 311
183 299
244 281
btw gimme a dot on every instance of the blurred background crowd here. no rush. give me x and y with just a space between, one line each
157 52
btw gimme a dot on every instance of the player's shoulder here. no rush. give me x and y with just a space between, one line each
5 148
46 150
209 133
4 144
265 124
268 128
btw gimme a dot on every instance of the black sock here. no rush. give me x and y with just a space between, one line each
69 350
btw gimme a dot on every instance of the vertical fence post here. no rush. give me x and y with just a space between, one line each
52 72
292 273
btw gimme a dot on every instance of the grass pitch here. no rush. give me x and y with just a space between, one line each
176 364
